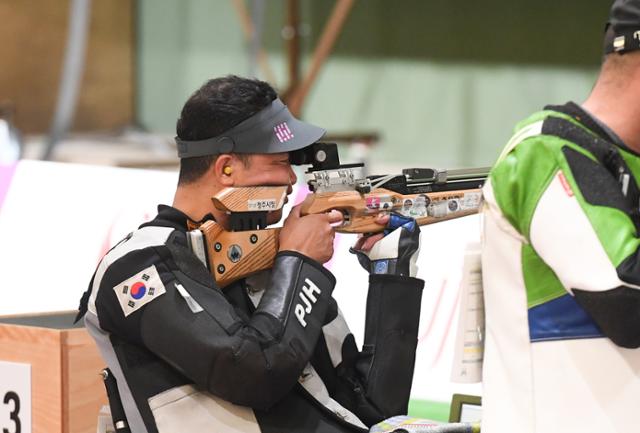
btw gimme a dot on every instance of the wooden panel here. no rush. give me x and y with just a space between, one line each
255 251
83 391
33 34
40 348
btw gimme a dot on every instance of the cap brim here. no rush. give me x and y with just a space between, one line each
271 130
301 135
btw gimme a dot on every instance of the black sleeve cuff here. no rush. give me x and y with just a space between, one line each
391 336
393 304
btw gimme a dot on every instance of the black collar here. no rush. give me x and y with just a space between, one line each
171 217
592 123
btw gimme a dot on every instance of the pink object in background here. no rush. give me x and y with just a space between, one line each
6 173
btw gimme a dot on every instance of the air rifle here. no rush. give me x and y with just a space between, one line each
427 195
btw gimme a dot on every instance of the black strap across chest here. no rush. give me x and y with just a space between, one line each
605 152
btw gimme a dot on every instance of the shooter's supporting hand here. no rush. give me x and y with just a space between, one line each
392 253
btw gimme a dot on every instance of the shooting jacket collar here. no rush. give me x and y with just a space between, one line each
592 123
171 217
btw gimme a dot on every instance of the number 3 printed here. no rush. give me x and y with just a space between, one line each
13 416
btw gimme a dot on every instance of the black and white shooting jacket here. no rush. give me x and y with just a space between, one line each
271 353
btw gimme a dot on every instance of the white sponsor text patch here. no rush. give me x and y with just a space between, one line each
263 204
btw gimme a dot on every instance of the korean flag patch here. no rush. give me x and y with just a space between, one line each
142 288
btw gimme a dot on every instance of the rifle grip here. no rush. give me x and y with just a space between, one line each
357 218
236 255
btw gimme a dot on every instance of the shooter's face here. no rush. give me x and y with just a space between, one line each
267 170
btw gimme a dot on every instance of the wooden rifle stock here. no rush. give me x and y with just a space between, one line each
233 255
360 212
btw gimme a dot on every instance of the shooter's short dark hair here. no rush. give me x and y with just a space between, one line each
214 108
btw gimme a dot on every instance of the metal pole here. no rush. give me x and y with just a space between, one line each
248 31
325 45
257 19
291 33
73 67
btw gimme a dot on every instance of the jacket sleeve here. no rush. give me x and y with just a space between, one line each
374 383
192 326
581 226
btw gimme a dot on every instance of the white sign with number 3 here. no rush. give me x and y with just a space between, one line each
15 397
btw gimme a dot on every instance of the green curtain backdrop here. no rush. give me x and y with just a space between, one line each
442 82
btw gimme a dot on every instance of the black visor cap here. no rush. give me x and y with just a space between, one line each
272 130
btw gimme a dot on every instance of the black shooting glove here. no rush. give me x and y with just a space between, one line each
396 252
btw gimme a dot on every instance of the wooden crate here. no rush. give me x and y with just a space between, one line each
66 387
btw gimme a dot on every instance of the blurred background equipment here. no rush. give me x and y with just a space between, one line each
79 20
37 35
34 35
10 137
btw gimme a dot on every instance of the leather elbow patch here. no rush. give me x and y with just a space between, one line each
299 287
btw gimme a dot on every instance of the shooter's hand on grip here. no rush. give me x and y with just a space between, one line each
393 253
311 235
